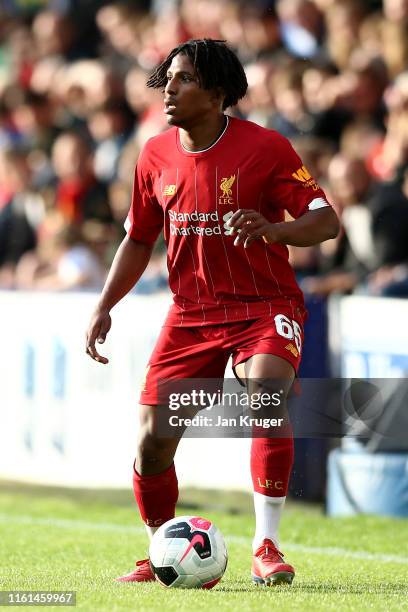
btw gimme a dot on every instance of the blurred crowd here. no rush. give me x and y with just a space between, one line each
74 113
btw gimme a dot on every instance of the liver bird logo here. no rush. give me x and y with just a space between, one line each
226 184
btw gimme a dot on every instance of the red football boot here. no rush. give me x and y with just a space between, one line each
268 566
142 573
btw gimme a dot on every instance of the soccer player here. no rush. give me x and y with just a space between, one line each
219 186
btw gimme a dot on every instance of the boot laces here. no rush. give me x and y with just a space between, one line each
143 564
272 554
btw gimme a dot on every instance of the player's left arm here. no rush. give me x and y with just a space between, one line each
311 228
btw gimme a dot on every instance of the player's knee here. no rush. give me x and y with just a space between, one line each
152 449
270 392
268 398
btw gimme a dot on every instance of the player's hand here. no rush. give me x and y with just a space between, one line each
251 225
97 331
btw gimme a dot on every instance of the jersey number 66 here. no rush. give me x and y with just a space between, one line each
289 329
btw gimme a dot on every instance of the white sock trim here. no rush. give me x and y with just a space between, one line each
268 512
150 531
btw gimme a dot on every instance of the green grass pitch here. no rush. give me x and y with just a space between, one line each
61 540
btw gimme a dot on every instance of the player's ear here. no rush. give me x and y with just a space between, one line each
218 96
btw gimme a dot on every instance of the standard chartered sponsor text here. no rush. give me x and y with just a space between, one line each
196 217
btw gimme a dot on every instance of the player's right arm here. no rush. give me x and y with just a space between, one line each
128 266
144 223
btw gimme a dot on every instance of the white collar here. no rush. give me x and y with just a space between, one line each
212 145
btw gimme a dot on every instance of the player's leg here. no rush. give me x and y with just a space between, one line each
271 464
179 354
155 484
272 456
154 476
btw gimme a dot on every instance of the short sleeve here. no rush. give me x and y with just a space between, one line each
291 187
145 218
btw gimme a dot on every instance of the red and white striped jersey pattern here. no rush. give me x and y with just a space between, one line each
192 196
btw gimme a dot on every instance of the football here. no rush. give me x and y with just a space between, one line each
188 552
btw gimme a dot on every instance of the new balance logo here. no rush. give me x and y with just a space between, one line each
169 190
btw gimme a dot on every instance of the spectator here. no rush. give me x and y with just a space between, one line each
19 54
343 22
63 261
78 194
109 127
21 211
396 10
258 104
291 117
54 35
32 115
390 236
303 106
360 139
347 259
261 34
146 103
330 75
301 27
9 135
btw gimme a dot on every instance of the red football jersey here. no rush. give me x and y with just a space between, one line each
193 194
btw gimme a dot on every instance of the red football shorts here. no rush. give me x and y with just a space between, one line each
203 352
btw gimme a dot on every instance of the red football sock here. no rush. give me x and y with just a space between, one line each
271 464
156 496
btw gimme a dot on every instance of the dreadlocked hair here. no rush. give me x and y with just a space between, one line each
217 67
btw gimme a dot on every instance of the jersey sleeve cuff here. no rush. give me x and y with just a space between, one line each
139 235
317 203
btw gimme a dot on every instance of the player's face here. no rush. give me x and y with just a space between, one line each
185 103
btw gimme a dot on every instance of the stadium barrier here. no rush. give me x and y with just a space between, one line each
369 483
69 421
66 420
368 340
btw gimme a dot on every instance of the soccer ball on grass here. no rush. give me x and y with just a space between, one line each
188 552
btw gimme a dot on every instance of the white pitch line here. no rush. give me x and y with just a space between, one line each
329 551
69 524
332 551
